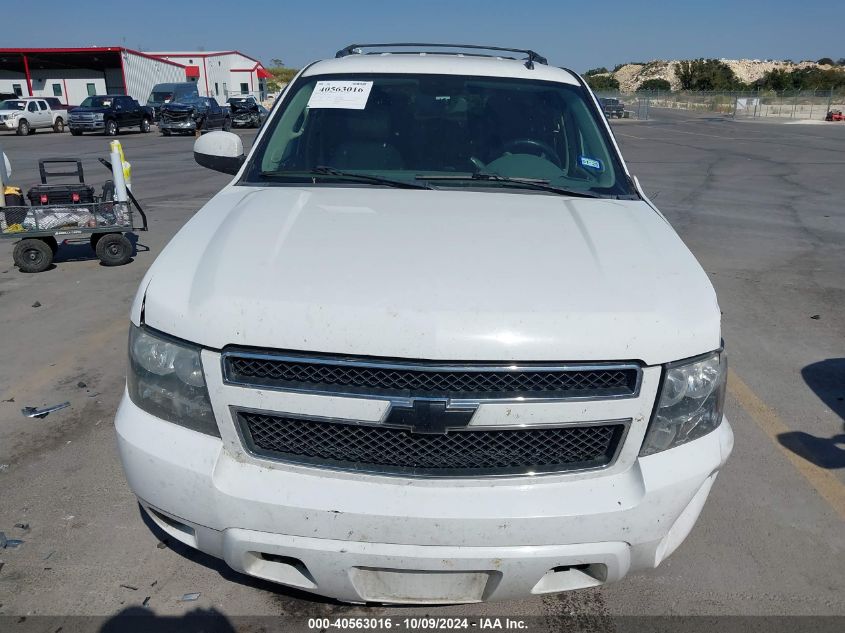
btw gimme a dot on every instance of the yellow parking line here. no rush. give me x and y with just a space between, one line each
823 481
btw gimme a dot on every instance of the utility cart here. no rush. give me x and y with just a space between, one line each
59 214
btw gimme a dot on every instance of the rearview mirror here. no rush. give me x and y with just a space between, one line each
220 151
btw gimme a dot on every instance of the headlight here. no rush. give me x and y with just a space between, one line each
98 116
166 380
691 402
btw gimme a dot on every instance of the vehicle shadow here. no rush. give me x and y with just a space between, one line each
318 604
82 251
142 620
827 380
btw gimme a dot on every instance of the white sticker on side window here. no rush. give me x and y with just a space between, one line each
348 95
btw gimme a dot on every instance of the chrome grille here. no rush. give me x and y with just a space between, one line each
421 379
458 453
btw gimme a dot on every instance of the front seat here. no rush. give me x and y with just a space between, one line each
366 145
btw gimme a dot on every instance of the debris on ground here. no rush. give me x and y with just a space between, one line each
23 526
6 543
37 304
49 555
81 385
161 544
1 565
32 412
12 399
189 597
146 601
129 587
816 317
4 467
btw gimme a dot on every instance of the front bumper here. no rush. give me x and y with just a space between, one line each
188 125
366 538
87 126
9 124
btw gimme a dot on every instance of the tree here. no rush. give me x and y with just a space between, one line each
596 71
706 74
651 85
812 78
827 61
602 83
281 75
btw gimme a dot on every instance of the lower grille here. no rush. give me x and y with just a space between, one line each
167 115
461 453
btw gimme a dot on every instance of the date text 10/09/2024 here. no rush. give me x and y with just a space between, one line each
417 624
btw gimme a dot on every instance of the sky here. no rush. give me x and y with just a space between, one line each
578 35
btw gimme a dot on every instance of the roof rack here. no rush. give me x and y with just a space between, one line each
532 56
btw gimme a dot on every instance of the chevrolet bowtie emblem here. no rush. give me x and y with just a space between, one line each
430 416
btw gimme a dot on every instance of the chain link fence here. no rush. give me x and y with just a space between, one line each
798 104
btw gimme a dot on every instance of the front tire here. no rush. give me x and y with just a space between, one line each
32 255
23 128
111 128
227 124
145 125
166 132
59 126
75 132
114 249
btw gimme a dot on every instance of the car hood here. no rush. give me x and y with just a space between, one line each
441 275
181 107
80 109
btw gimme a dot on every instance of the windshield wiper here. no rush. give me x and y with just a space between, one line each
322 170
531 183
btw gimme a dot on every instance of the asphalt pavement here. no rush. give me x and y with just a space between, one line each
760 205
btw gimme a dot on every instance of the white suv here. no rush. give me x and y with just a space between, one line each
432 344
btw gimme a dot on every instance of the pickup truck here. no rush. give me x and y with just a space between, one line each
28 114
109 114
246 111
192 113
432 344
612 107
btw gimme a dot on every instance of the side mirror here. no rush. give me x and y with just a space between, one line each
220 151
7 168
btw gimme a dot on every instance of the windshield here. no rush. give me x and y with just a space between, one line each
446 127
97 102
12 105
160 96
165 93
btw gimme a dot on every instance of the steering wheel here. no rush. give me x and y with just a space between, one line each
545 150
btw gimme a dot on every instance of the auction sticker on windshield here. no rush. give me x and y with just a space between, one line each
348 95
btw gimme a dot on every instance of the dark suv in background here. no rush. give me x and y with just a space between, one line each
165 93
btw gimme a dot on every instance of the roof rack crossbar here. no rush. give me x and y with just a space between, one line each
532 56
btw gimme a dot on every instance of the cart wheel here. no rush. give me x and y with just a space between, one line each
114 249
32 255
